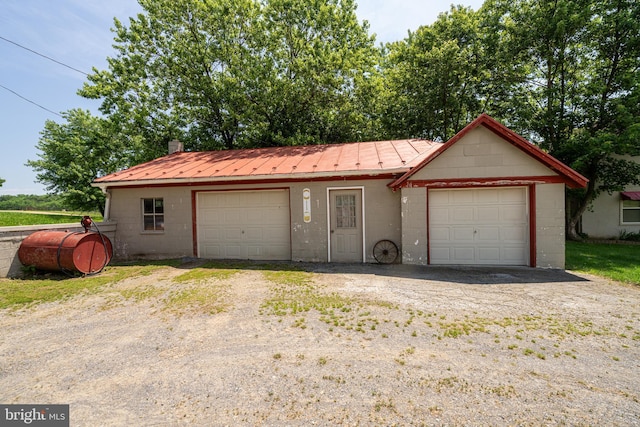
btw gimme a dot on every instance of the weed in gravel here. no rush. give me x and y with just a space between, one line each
295 293
502 390
337 380
385 404
142 293
209 299
204 273
451 383
300 323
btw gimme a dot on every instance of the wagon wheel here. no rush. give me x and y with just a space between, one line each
385 251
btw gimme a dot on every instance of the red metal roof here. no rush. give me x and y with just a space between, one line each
359 158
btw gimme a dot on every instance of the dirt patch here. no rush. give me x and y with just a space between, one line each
349 345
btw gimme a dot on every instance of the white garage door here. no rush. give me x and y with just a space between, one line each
479 226
244 225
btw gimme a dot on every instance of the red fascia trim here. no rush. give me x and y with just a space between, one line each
338 178
221 190
572 178
485 182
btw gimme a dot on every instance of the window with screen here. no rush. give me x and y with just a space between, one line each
630 211
153 214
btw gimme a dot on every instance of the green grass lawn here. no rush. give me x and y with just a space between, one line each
613 261
16 218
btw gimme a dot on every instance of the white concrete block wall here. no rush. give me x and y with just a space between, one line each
132 242
12 237
414 226
482 154
550 226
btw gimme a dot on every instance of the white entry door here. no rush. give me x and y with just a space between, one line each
479 226
346 225
244 225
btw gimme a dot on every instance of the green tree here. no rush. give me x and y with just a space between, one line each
445 74
431 77
224 74
584 89
2 181
46 202
74 153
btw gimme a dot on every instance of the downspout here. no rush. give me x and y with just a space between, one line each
107 204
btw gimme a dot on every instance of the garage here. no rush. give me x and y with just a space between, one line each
480 226
244 225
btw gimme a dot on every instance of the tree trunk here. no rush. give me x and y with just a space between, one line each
572 219
573 216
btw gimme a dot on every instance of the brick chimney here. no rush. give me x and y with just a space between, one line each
175 146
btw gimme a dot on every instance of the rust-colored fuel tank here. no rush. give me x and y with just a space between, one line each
86 253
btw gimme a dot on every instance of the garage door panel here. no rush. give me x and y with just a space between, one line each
439 214
513 254
232 234
254 234
512 213
232 216
486 196
479 226
232 250
515 195
488 214
463 255
440 255
488 255
211 234
213 250
439 233
254 251
488 234
514 234
275 234
462 214
461 234
244 225
461 198
439 198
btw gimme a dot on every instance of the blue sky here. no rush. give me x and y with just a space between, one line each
77 33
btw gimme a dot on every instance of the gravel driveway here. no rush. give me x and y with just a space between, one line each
333 345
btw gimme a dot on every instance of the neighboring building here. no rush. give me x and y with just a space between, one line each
613 215
485 197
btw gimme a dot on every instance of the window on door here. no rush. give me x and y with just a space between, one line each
346 211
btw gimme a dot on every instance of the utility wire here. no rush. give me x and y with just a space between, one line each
44 56
28 100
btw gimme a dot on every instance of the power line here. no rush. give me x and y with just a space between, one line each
44 56
28 100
